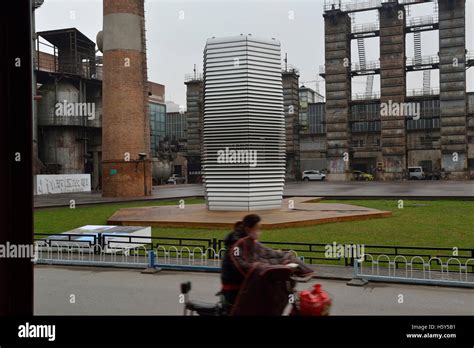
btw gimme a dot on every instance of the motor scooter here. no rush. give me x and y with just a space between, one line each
222 308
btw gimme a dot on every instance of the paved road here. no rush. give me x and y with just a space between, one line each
128 292
401 189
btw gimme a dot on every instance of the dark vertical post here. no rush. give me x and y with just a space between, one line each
16 181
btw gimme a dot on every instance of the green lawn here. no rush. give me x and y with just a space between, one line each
420 223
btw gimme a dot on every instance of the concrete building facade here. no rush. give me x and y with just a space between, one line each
337 27
290 79
194 121
360 135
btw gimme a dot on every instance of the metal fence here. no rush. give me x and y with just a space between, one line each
453 271
129 252
188 250
422 20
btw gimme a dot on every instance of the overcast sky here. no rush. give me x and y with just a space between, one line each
177 32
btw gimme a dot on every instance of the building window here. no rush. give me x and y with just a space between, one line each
157 125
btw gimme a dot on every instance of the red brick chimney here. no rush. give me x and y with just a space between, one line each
126 163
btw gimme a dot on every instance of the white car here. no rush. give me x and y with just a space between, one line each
416 173
313 175
176 179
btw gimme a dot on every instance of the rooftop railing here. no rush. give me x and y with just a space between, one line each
290 68
368 66
422 20
424 60
365 27
420 92
193 77
366 96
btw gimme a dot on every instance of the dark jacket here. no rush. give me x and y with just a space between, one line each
230 274
263 274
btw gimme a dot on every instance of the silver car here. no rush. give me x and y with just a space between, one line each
313 175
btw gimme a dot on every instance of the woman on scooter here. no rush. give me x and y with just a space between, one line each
246 262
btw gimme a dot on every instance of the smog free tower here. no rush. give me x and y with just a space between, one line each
244 125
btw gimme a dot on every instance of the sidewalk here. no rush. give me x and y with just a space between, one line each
163 192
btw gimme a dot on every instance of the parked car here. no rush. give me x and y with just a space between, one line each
416 173
176 179
313 175
359 175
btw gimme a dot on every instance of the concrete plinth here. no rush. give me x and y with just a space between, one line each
196 215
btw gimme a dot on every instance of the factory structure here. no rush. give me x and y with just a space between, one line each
338 133
358 132
350 131
68 71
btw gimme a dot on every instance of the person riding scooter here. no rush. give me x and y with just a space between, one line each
254 277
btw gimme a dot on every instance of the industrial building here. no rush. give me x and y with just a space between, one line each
67 69
194 119
319 134
358 135
312 129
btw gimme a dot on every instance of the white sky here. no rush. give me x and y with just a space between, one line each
177 31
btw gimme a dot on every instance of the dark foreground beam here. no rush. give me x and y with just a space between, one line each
16 181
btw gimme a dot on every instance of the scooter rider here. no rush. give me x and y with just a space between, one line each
244 254
231 278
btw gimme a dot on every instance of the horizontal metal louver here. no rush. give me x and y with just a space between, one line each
243 158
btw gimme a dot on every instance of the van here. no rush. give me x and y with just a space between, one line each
416 173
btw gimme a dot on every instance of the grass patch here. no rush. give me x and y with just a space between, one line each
440 223
57 220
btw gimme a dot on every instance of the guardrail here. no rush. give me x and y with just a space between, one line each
193 77
290 68
415 269
423 60
420 92
470 56
418 269
352 5
365 28
166 248
366 96
422 20
368 66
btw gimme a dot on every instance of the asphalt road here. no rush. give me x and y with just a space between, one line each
103 291
400 189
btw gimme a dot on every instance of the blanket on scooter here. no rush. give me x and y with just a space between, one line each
267 286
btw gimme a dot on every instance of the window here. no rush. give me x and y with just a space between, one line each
157 125
471 163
